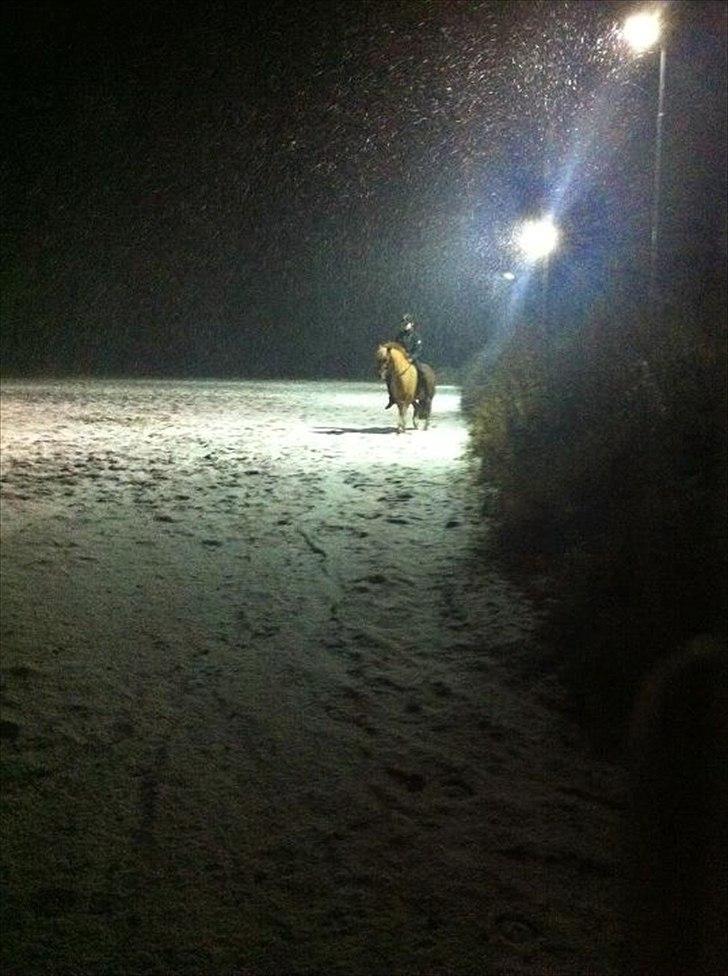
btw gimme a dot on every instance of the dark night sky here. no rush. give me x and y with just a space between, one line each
242 189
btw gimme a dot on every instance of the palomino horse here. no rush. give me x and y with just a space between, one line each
395 365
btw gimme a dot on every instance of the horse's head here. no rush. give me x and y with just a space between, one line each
382 360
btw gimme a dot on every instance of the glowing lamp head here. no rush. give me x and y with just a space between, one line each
642 31
537 238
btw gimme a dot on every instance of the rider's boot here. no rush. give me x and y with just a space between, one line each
390 404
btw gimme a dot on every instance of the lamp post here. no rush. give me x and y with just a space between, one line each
537 240
642 31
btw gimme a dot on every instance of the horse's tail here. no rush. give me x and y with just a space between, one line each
428 379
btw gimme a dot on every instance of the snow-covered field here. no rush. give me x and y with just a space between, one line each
265 708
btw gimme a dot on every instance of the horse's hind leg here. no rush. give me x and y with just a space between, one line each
402 407
427 411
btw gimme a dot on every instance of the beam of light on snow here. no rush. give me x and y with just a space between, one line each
125 432
372 439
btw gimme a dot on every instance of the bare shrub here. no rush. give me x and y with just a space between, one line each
606 447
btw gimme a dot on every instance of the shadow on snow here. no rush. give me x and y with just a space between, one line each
355 430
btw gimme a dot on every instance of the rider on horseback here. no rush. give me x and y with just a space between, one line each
409 338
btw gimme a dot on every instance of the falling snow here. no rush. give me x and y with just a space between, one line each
257 166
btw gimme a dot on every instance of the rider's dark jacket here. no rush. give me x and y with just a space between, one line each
411 342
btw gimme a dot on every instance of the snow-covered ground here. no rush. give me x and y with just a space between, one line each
265 708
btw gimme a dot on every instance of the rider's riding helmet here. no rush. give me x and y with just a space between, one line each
408 322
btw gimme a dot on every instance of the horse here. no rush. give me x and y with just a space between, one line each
395 365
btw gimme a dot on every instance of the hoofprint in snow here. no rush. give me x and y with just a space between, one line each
260 713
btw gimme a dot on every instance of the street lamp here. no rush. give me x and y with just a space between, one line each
642 31
537 240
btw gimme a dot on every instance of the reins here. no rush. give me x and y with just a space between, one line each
409 366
